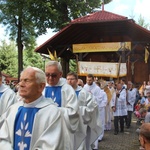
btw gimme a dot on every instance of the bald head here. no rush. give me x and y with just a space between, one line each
80 82
145 131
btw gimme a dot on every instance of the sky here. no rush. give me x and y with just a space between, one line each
128 8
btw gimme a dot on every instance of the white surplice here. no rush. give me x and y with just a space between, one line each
88 110
7 98
96 128
49 130
69 107
131 97
119 103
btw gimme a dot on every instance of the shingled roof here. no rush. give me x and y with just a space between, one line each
101 26
99 16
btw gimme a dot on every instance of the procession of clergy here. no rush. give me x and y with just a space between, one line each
50 112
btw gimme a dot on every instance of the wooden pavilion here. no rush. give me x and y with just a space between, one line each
103 27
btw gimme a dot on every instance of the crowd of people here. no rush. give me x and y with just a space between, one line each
49 112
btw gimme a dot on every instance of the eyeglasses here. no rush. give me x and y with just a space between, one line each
71 79
53 75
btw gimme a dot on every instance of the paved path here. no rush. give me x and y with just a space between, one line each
123 141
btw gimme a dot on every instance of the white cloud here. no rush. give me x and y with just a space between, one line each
130 8
43 38
120 6
142 8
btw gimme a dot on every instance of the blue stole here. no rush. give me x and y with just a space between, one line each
77 93
54 92
1 94
23 127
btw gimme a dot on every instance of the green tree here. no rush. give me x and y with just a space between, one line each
142 22
8 58
66 10
18 17
33 59
26 19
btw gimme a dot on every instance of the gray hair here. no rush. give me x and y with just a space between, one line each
142 111
39 74
54 63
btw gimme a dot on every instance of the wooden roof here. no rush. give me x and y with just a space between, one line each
101 26
99 16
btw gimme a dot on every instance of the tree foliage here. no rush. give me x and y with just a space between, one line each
8 58
66 10
32 59
33 17
26 19
142 22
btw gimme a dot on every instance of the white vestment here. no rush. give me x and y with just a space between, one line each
7 98
88 110
49 129
112 90
119 103
131 97
69 107
96 92
102 104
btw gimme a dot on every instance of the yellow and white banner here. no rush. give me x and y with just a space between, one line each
102 69
101 47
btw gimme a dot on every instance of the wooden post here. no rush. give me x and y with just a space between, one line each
128 68
118 73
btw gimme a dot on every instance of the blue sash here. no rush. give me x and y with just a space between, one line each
54 92
23 127
77 93
1 94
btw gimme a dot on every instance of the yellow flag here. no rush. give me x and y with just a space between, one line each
146 55
51 55
55 55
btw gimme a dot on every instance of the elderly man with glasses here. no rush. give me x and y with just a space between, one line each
64 95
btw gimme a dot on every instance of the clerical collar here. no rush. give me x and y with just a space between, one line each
34 103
